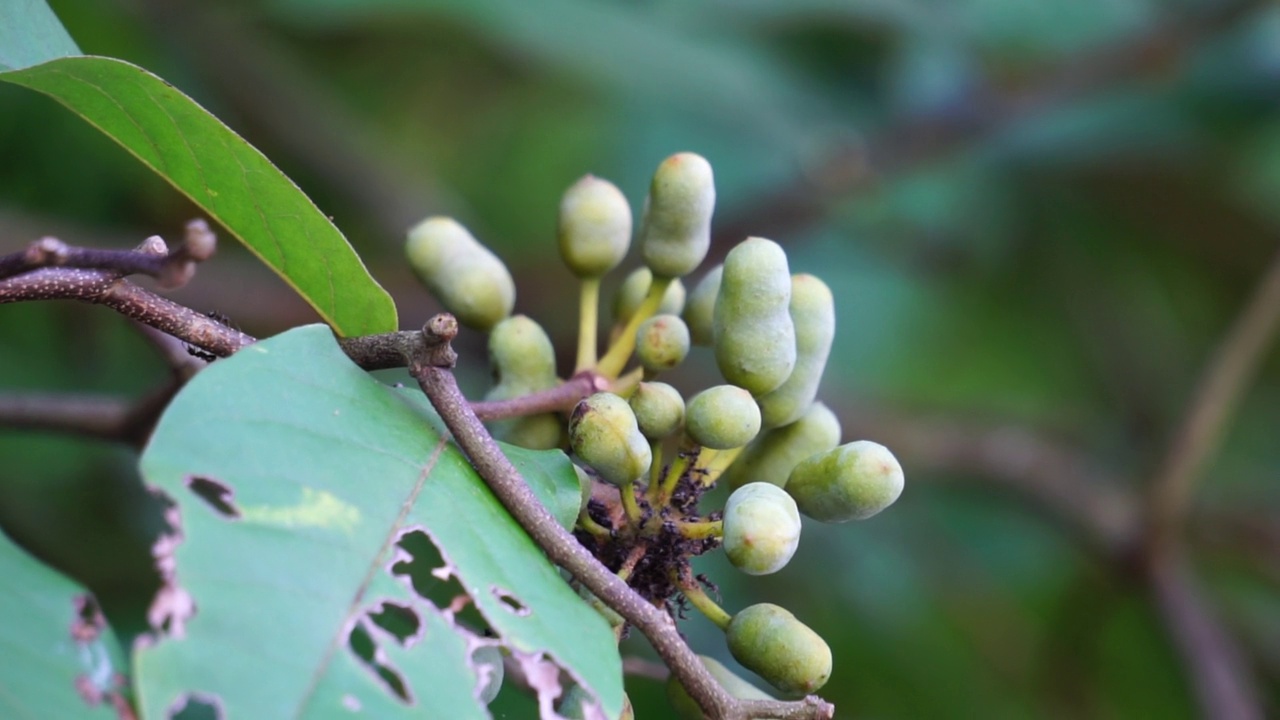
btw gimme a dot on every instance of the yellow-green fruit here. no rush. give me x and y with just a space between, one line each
662 342
676 231
813 312
487 660
471 282
633 290
659 409
761 528
603 432
699 311
852 482
775 453
524 362
687 708
755 340
595 227
722 417
773 644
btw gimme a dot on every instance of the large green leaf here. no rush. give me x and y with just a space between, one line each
60 658
30 33
225 176
312 477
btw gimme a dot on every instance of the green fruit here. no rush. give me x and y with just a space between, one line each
755 340
636 286
775 453
675 233
722 417
662 342
603 432
524 362
699 311
522 355
487 660
471 282
813 312
687 708
852 482
659 409
595 227
761 528
772 643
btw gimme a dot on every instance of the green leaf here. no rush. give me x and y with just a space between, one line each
30 33
60 658
225 176
314 477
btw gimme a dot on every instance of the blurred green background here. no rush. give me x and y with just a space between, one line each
1039 218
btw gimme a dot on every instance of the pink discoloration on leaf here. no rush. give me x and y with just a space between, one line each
172 606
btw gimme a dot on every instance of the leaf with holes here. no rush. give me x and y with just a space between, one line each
303 494
60 658
225 176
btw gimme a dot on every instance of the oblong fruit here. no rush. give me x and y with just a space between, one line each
469 280
699 310
722 417
524 362
772 643
813 313
755 340
595 227
675 233
603 432
761 528
775 453
852 482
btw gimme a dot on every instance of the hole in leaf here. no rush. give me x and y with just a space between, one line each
215 494
196 706
510 602
431 576
366 650
399 620
88 622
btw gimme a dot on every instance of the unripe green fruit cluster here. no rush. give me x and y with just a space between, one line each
764 433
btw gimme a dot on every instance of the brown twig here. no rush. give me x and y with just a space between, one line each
1211 658
1233 366
432 371
640 667
562 397
100 417
172 268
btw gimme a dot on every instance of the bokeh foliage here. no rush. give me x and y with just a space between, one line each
1052 237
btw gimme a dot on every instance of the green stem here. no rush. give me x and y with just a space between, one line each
705 605
678 467
628 493
618 354
701 530
593 528
588 321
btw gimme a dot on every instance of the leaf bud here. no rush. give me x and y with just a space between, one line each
675 233
852 482
722 417
469 280
595 227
